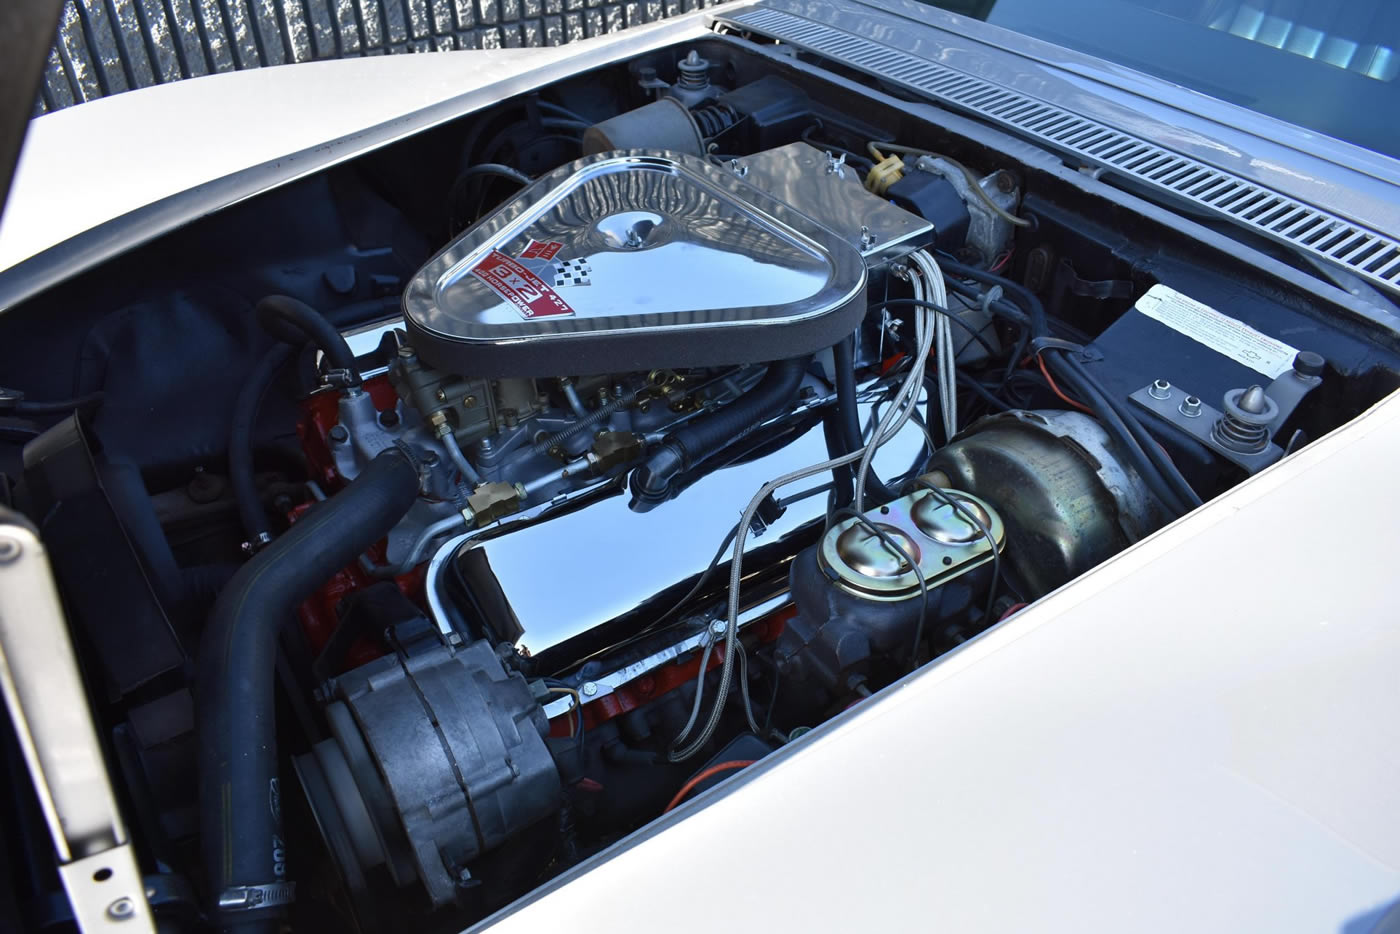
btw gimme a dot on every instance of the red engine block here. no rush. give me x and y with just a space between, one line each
318 615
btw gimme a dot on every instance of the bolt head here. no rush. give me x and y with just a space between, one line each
469 402
121 909
339 434
589 689
440 395
719 626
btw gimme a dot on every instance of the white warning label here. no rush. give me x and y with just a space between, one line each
1220 333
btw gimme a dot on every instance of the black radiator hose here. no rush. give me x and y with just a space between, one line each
691 444
848 413
244 849
295 322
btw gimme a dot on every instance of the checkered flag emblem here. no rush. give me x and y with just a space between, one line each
572 272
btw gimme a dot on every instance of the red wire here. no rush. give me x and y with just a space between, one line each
1006 258
1056 389
713 770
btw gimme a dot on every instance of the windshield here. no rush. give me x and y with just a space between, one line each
1329 65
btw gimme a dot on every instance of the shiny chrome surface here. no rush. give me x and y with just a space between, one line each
906 58
44 692
831 194
946 525
606 684
867 554
565 577
647 241
929 532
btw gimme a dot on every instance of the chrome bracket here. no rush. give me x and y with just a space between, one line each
48 706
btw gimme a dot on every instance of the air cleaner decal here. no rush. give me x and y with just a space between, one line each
519 285
537 249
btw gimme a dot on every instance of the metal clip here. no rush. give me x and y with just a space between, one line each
340 378
248 897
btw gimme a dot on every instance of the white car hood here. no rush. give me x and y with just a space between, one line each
211 141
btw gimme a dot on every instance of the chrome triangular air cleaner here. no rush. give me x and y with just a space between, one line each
634 260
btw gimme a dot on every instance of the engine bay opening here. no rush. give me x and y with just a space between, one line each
488 497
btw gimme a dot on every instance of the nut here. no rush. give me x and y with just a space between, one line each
1191 407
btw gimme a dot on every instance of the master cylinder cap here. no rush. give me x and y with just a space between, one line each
922 529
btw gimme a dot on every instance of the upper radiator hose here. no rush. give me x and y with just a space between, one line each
240 806
688 446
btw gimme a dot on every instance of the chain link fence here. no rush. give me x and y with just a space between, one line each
109 46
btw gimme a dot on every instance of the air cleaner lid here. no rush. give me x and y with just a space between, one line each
634 260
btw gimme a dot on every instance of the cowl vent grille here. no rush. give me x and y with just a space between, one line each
1367 254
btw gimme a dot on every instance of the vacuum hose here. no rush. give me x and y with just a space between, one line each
295 322
240 810
693 443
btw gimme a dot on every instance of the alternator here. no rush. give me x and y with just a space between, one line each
437 756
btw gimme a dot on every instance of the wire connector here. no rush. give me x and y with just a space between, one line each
886 171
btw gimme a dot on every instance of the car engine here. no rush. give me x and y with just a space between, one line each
558 463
